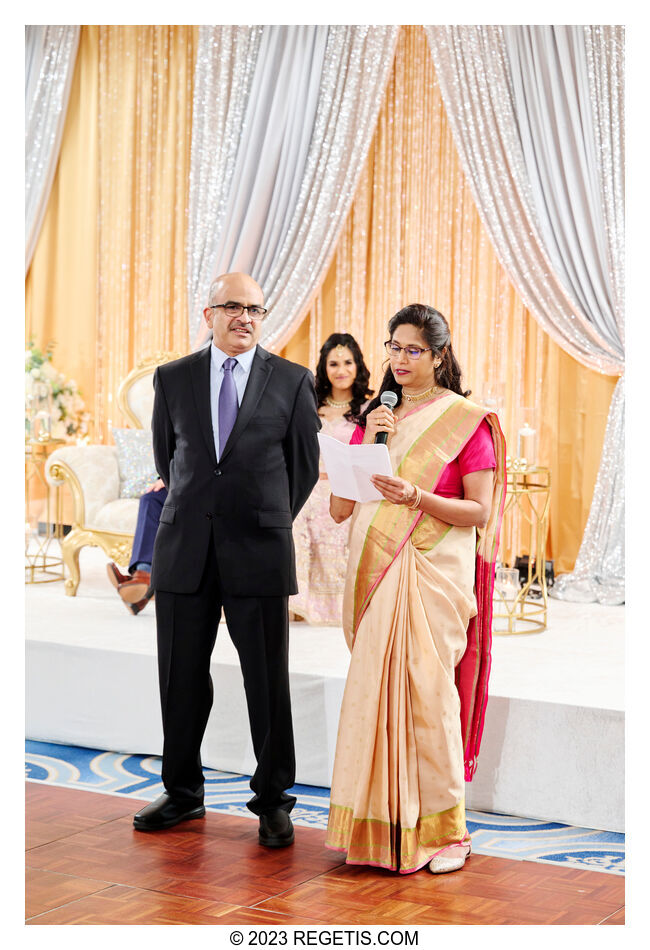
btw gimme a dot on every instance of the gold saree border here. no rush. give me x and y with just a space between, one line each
454 420
488 540
373 841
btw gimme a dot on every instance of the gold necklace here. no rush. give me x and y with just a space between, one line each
337 405
418 396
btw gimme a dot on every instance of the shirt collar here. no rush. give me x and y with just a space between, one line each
245 360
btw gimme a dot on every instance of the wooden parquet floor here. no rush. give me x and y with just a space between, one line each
85 864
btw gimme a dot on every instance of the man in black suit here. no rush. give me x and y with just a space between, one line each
235 442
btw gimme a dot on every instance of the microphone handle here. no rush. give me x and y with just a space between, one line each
381 438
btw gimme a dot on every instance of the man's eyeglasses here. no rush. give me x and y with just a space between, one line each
237 309
412 352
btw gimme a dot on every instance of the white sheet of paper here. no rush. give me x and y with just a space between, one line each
349 468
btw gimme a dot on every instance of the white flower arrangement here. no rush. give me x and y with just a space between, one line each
67 410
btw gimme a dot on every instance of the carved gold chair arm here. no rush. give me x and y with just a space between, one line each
59 473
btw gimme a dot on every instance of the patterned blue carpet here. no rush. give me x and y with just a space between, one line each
138 776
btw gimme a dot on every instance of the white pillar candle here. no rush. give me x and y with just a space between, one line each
526 445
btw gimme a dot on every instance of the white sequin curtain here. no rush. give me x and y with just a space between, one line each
537 116
50 53
282 122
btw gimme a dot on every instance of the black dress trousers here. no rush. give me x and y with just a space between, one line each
259 628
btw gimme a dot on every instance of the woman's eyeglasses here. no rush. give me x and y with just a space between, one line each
412 352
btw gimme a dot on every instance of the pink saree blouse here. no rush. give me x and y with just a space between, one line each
475 456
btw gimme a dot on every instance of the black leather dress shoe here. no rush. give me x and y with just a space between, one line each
276 829
165 813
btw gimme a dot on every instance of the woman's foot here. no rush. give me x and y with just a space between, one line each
449 859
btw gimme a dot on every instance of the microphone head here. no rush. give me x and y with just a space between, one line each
388 398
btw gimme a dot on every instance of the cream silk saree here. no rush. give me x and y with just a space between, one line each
417 615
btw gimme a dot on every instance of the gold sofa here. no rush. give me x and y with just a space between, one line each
101 518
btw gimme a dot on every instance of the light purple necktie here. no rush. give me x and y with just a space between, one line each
228 405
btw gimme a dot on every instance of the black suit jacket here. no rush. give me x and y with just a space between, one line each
247 501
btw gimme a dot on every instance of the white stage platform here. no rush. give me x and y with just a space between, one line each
553 746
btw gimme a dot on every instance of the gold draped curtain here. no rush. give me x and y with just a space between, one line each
108 278
414 235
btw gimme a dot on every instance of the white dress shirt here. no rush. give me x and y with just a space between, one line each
240 373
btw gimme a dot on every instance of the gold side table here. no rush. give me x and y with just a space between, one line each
525 518
41 565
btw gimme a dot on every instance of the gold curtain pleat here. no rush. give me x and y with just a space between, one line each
117 220
145 120
414 235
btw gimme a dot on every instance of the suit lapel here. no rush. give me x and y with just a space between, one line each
200 369
257 381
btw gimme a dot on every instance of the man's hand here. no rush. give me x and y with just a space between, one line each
156 486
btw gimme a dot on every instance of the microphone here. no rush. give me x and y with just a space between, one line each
389 398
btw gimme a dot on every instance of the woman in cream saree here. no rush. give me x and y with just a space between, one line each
417 617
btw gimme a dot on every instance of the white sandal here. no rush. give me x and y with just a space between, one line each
443 862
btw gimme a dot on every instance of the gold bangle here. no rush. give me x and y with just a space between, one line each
417 498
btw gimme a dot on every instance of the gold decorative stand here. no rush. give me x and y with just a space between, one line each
525 519
42 566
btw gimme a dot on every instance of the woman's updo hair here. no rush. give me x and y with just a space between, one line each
435 332
360 390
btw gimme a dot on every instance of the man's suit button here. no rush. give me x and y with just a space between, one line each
217 471
209 515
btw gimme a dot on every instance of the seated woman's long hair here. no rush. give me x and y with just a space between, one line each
435 330
360 390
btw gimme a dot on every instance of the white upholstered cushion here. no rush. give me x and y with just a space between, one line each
119 516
